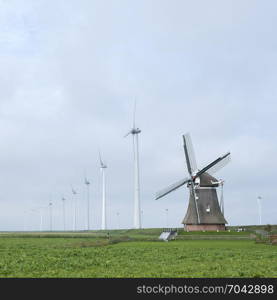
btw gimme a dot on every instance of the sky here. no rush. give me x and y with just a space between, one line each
70 71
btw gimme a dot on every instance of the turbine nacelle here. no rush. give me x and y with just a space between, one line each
87 182
133 131
102 164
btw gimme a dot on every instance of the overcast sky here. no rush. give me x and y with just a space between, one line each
70 71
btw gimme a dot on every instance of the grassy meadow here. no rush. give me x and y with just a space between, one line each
135 253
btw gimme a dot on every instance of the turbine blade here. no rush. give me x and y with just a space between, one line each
73 191
189 153
216 165
101 161
171 188
134 115
127 133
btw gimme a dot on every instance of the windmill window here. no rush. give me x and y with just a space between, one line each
208 209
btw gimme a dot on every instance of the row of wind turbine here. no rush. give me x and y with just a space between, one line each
74 192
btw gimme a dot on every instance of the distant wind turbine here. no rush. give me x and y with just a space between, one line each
63 201
51 215
135 131
118 224
166 217
87 183
75 208
259 200
103 168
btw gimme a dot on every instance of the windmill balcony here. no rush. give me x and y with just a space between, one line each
205 227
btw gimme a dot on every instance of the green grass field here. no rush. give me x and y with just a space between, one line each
134 253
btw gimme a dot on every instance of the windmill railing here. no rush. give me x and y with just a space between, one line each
170 229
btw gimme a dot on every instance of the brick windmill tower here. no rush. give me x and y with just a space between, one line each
204 212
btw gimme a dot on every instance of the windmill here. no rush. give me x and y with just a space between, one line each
203 211
75 208
103 168
135 131
63 202
87 183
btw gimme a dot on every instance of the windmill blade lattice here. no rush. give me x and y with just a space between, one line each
215 165
190 154
172 188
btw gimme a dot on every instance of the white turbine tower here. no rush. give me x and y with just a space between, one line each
103 168
259 200
41 218
87 183
166 217
75 208
118 223
63 201
135 131
50 215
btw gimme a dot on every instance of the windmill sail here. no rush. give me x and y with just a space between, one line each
215 165
189 153
226 159
171 188
204 211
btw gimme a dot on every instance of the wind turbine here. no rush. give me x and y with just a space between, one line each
87 183
166 217
118 224
50 214
63 201
75 208
259 200
135 131
103 168
41 216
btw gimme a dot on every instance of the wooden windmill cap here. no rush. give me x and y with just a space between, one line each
206 180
